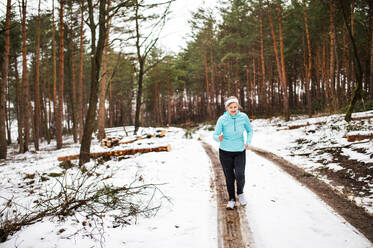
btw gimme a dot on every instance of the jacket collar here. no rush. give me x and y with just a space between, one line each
232 116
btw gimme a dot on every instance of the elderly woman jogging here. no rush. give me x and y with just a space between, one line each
229 131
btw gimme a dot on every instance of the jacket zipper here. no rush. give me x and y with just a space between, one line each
234 124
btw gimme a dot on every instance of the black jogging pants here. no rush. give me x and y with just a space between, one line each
233 164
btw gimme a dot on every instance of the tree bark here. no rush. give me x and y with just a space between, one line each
168 100
111 106
54 64
357 94
212 77
309 66
73 78
332 55
101 112
74 95
5 70
25 81
19 106
59 121
141 61
8 115
371 51
96 57
37 115
283 70
280 69
80 84
207 82
263 84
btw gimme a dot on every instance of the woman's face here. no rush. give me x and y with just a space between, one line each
232 108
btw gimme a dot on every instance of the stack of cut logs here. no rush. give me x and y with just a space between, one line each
119 152
110 142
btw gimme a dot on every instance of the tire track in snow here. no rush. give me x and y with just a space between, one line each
233 228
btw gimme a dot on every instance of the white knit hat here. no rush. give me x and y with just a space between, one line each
230 100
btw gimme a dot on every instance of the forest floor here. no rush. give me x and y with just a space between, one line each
293 178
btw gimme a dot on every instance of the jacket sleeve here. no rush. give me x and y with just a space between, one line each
249 130
218 130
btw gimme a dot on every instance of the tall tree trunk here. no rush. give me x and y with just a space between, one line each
309 66
44 101
74 94
248 90
168 100
281 71
139 94
332 55
101 111
96 57
371 51
141 70
141 59
263 84
324 69
3 83
236 66
59 121
80 85
111 106
8 115
254 86
25 81
73 77
212 77
207 82
357 94
37 114
352 66
19 106
54 64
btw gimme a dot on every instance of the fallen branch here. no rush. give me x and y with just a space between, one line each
84 193
119 152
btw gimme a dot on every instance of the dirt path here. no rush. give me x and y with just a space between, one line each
355 215
233 229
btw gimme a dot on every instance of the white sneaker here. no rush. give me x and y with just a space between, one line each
231 204
241 198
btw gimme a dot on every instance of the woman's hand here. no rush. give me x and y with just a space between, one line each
247 147
221 138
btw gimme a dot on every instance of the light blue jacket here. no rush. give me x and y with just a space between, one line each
232 128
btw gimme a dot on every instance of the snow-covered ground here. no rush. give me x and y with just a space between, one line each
281 212
187 218
323 150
